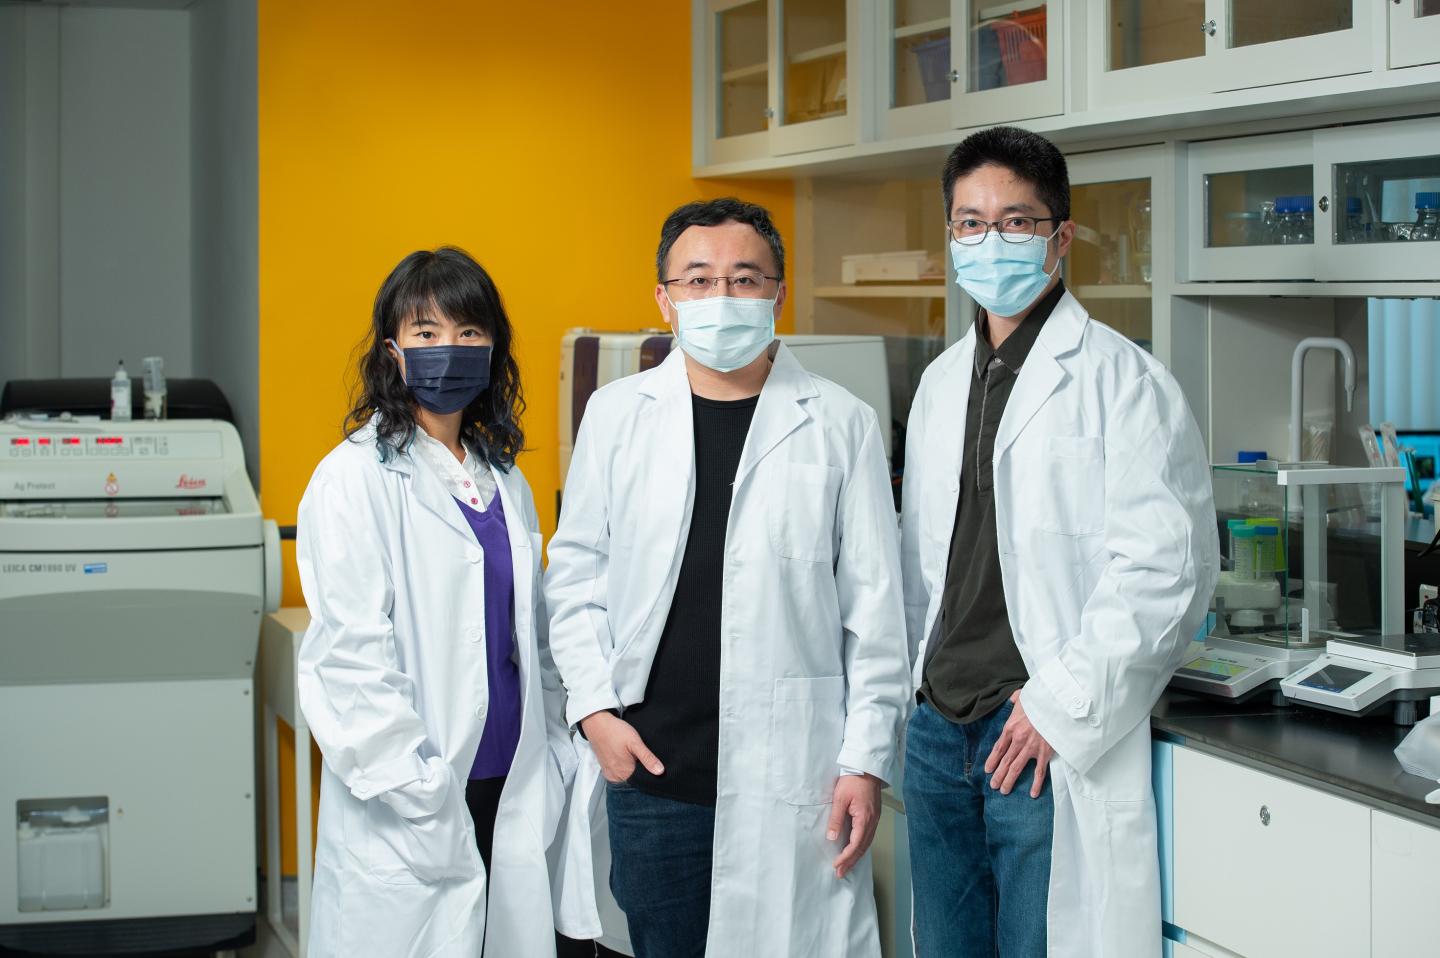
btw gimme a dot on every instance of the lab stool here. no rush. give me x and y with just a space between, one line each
280 637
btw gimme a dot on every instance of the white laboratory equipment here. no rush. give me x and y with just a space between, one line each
589 359
136 568
1360 674
1309 553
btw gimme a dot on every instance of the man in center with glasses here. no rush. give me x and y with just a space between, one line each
726 615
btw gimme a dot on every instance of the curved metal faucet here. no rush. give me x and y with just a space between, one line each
1297 381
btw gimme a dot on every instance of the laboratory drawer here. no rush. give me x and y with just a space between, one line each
1268 868
1404 918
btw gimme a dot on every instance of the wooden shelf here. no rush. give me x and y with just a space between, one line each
1112 291
883 291
819 53
916 29
744 73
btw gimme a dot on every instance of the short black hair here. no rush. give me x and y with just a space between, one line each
1029 156
727 209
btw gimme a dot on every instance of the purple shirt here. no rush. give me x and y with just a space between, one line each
501 735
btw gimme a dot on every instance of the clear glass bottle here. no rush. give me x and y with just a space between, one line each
1427 216
1285 220
1354 230
1142 240
1304 211
1269 227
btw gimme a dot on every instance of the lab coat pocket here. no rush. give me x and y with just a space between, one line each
1072 498
802 512
807 728
405 851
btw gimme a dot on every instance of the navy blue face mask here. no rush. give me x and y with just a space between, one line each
446 379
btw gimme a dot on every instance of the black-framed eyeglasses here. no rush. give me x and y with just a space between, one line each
1012 229
747 284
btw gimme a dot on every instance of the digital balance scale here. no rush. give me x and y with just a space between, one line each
1272 613
1362 674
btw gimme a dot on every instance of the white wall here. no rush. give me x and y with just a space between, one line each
12 191
124 189
1252 340
225 241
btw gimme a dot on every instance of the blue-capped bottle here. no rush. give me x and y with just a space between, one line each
1304 207
1427 216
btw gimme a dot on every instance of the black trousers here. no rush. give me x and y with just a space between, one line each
482 795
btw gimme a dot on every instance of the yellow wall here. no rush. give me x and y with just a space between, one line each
548 139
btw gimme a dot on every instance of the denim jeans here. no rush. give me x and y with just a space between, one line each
660 856
979 860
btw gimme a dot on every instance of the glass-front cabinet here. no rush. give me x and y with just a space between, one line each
1120 203
1251 209
1151 49
777 76
1414 32
1353 203
964 63
1378 212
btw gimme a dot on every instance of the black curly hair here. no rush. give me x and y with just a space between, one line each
449 282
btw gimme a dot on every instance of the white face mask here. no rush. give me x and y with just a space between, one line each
724 333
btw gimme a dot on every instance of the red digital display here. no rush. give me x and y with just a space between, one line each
109 440
71 441
44 440
20 441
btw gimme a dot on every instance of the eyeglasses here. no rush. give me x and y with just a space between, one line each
1012 229
745 284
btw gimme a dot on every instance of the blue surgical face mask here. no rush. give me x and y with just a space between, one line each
1003 277
724 333
446 379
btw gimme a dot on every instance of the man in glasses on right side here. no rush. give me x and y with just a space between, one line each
1059 548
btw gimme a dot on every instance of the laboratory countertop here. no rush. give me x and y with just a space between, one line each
1347 756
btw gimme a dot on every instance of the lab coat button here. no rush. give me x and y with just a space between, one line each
472 554
475 634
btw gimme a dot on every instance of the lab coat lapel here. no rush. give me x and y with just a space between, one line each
429 491
666 477
521 559
1042 373
779 412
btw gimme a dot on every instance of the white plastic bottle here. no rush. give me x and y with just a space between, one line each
120 394
154 387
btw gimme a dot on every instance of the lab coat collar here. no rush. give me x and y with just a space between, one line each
781 409
1044 371
425 485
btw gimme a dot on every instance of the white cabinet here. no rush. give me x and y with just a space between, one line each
1356 203
1155 49
1414 32
1238 197
1265 867
1116 199
947 64
776 75
1404 920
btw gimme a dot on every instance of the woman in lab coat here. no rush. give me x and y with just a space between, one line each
425 675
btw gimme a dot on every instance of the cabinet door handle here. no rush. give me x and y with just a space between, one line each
1324 204
1264 814
954 76
769 113
1208 27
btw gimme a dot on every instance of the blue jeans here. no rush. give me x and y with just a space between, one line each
660 856
979 860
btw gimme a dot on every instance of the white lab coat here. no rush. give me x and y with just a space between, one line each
393 684
813 660
1108 556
